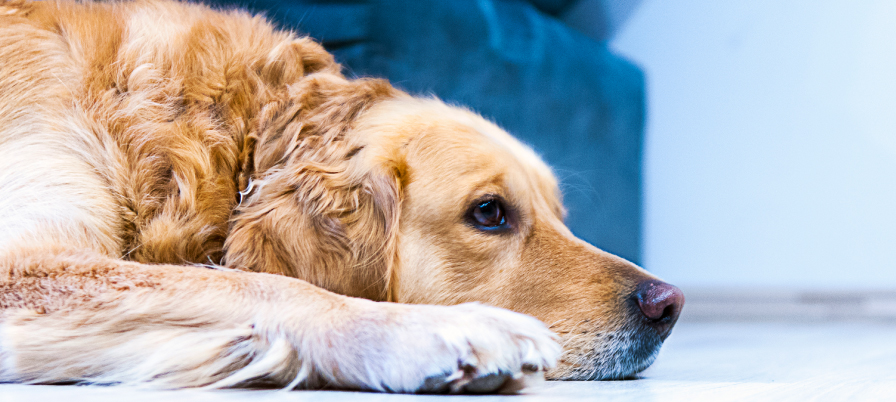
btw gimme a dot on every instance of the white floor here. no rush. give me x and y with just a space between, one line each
701 361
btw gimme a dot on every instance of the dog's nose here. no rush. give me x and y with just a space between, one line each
660 303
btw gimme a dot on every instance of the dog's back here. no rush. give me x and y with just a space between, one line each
109 110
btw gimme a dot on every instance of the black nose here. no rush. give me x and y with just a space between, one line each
660 303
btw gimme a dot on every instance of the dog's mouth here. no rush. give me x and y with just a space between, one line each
613 355
623 346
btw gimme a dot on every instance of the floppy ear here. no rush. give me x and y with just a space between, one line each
320 210
318 107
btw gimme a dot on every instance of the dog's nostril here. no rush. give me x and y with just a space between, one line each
668 311
660 303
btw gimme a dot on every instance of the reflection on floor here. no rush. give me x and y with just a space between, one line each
701 361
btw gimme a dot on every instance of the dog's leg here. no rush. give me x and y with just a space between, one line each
83 317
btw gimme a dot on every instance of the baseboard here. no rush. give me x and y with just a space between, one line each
713 304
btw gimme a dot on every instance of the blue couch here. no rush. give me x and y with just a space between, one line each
580 106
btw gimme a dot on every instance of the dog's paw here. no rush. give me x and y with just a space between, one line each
468 348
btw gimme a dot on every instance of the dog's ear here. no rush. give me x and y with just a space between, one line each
317 108
321 209
287 63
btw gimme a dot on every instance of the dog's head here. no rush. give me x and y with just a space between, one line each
366 191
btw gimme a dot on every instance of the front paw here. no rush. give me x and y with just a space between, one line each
468 348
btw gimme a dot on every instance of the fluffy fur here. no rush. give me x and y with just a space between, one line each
142 140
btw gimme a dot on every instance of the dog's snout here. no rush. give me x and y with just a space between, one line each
660 303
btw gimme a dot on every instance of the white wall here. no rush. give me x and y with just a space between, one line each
771 141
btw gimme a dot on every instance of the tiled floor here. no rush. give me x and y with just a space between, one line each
701 361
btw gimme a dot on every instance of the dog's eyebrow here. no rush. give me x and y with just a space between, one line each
487 186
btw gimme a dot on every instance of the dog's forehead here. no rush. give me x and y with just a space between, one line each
440 126
457 142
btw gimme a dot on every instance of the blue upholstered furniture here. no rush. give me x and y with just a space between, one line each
580 106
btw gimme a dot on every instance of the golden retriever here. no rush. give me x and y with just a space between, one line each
190 197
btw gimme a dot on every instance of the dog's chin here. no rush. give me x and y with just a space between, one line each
607 356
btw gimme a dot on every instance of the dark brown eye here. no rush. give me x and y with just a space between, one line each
488 214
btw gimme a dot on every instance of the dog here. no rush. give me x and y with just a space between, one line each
192 198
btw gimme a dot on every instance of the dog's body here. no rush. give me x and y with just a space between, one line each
139 140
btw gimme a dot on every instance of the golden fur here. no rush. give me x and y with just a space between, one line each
140 140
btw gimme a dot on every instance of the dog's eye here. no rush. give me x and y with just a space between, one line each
488 214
